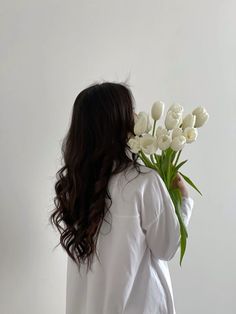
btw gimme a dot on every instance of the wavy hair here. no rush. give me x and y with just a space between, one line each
93 149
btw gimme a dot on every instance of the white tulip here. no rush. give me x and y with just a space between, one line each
178 143
142 124
172 120
157 110
148 144
189 121
149 125
190 134
135 117
201 116
160 131
176 132
142 114
177 108
164 141
134 144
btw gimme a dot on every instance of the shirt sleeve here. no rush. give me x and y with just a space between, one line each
159 220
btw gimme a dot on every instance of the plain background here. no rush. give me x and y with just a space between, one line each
175 51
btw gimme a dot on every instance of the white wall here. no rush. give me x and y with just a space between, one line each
181 51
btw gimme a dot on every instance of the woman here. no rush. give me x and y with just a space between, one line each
116 219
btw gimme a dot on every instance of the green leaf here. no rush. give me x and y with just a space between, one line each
162 167
178 197
173 175
158 164
170 168
182 246
173 155
145 159
181 164
164 163
190 182
168 151
177 158
168 172
152 159
157 158
147 162
177 200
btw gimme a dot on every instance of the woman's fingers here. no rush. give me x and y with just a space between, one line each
179 183
177 180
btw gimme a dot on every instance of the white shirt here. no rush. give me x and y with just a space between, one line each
133 277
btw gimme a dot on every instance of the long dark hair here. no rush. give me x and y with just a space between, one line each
93 149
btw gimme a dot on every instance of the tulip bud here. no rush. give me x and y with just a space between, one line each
176 132
177 108
172 120
190 134
160 130
178 143
148 144
157 110
189 121
140 125
134 144
164 141
201 116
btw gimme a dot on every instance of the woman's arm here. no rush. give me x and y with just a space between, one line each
163 232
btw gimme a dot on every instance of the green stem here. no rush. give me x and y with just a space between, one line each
146 160
176 161
154 126
152 158
169 170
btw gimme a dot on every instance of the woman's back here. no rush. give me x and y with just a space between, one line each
135 242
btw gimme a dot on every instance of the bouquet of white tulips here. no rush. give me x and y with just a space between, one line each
170 140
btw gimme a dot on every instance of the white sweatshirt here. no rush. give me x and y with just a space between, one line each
133 277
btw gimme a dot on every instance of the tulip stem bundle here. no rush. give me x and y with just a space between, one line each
171 141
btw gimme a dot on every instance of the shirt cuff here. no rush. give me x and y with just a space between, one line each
186 209
189 200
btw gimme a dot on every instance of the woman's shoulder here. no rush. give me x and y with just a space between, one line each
147 173
138 180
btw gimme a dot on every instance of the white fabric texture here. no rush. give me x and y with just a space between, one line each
133 277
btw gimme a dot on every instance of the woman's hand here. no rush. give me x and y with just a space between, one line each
179 183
